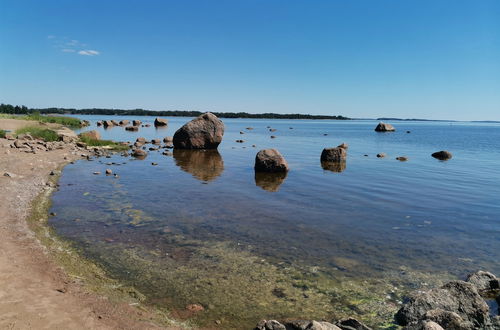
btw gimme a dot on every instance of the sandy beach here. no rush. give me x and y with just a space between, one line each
35 292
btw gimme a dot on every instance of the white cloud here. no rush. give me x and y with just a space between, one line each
88 52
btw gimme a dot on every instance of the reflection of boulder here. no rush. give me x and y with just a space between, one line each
270 181
337 167
204 165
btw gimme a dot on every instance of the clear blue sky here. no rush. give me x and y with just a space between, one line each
426 59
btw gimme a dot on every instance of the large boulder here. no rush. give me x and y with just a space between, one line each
270 160
458 297
204 132
93 135
384 127
442 155
337 154
161 122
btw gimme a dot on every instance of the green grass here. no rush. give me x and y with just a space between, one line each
65 121
45 134
2 133
102 143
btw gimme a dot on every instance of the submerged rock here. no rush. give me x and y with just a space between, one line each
270 160
384 127
132 128
204 132
458 297
442 155
160 122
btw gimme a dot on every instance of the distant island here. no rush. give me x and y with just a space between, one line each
10 109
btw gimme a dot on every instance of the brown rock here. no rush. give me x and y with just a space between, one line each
156 141
132 128
336 154
109 172
402 158
168 139
161 122
139 153
115 123
344 146
270 160
195 308
204 132
107 123
383 127
94 135
124 122
381 155
136 122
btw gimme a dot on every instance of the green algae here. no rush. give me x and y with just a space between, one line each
84 271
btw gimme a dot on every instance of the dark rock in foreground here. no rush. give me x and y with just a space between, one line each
270 160
485 282
442 155
383 127
351 324
204 132
441 304
347 324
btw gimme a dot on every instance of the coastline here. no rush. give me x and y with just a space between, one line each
44 284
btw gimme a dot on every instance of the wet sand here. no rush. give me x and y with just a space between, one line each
35 292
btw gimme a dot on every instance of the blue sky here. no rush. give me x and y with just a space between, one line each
418 59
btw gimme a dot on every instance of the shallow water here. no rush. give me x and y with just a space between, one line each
322 241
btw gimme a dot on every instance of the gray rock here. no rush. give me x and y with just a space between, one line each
384 127
484 281
269 325
204 132
442 155
270 160
351 324
459 297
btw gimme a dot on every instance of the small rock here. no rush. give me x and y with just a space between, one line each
9 175
109 172
240 141
270 160
154 164
132 128
195 308
160 122
381 155
273 137
402 158
484 281
351 324
97 173
442 155
383 127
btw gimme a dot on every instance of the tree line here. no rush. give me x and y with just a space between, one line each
10 109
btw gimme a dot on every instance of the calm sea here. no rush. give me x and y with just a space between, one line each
202 228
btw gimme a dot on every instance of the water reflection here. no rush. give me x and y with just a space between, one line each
270 181
337 167
205 165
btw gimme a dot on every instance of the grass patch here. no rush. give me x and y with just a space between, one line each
45 134
103 143
2 133
61 120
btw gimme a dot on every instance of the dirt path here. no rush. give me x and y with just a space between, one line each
34 292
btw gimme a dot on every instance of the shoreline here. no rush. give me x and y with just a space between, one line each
44 284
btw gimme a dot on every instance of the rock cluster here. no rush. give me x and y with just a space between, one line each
346 324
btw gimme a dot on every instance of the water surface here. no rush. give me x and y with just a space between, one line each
321 241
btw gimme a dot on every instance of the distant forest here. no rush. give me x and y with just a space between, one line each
10 109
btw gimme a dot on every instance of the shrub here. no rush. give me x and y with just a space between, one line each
102 143
2 133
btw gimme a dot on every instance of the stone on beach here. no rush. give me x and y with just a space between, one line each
458 297
94 135
160 122
270 160
204 132
442 155
384 127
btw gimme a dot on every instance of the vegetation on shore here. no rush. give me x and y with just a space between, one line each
36 116
7 108
103 143
41 133
2 133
